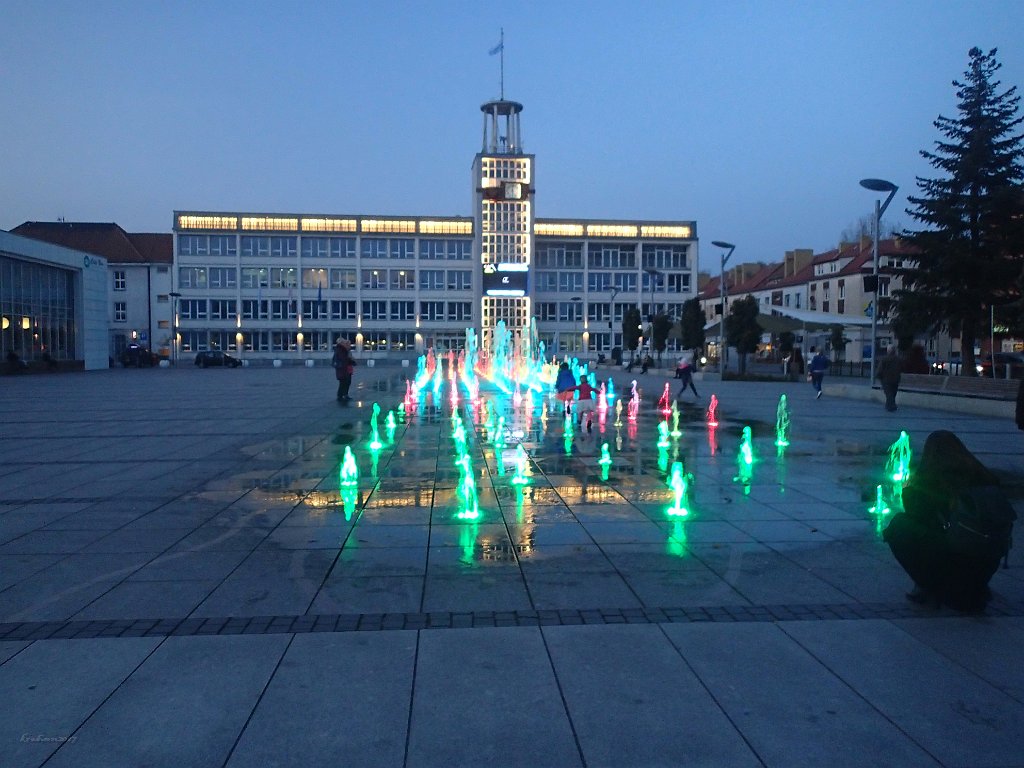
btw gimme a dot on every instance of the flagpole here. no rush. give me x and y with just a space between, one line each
502 51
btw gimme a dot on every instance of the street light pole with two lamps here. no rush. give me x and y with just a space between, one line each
876 185
721 317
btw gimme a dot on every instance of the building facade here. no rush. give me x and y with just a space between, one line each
287 286
53 303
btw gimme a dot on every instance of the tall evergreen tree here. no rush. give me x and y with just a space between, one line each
692 324
971 246
742 329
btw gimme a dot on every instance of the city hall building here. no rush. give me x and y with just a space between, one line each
288 285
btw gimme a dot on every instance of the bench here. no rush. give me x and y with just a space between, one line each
961 386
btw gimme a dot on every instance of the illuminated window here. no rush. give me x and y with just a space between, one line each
661 230
269 223
553 229
192 277
284 277
388 225
403 279
374 279
254 277
446 227
611 230
207 222
329 225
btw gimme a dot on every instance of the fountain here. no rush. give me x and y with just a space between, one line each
666 398
679 482
898 465
520 478
782 423
348 474
676 432
375 443
663 441
713 412
618 413
634 404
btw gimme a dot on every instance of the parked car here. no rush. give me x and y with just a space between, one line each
138 356
207 359
1014 361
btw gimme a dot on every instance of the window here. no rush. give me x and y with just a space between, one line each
222 309
403 341
192 277
254 310
664 256
192 309
625 282
570 281
223 277
459 280
432 310
597 312
678 282
120 280
283 277
460 250
343 279
570 311
460 311
402 248
546 311
343 247
375 279
313 278
609 256
375 310
343 310
375 341
314 247
282 309
403 310
257 341
559 255
192 245
315 310
254 277
599 282
547 281
375 248
120 312
432 280
403 279
255 246
223 245
283 247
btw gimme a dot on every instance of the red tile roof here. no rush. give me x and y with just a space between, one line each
102 239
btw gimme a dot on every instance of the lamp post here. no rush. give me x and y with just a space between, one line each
576 320
174 326
721 317
876 185
654 274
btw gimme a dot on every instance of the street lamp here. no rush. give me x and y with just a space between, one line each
721 317
174 326
576 320
876 185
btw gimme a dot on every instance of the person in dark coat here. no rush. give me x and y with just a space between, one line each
888 374
344 366
916 536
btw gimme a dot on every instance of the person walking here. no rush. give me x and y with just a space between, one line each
889 369
344 366
685 372
817 368
565 387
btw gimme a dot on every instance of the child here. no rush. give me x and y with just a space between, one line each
565 387
586 402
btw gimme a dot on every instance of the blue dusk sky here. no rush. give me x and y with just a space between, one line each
754 119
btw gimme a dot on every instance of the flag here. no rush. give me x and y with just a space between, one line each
497 49
319 291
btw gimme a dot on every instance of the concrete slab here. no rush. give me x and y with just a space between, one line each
185 706
51 688
336 698
791 709
632 700
490 693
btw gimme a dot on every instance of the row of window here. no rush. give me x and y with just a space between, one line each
252 246
571 311
335 309
604 282
288 340
318 278
612 256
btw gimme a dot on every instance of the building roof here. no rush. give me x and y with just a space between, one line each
102 239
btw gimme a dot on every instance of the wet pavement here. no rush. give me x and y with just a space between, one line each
185 581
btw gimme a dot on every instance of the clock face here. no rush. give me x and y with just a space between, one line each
513 190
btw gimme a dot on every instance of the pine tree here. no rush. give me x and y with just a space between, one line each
971 246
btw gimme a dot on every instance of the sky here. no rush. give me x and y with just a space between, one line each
756 120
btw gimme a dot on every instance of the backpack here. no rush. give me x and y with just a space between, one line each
981 523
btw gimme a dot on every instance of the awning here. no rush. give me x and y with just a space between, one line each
790 319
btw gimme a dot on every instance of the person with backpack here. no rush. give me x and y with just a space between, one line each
955 528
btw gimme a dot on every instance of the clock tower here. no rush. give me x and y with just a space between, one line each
502 222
